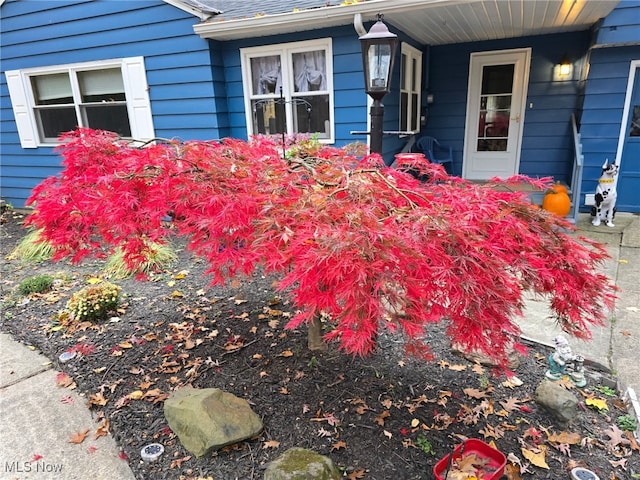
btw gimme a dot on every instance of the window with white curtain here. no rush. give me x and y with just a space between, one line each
410 88
288 88
106 95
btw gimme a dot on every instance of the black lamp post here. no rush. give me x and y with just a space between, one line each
378 53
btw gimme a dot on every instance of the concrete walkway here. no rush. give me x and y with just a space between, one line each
614 348
38 417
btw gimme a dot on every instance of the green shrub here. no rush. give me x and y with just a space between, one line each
158 258
626 422
94 302
38 284
33 248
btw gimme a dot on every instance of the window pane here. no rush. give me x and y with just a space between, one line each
404 105
108 117
314 121
268 117
497 79
403 72
266 75
54 121
309 71
415 116
54 89
101 85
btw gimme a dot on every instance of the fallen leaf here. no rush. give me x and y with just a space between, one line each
415 422
136 395
338 445
536 457
177 463
380 418
271 444
286 353
457 368
565 437
102 430
92 449
387 434
474 393
98 399
356 474
599 404
619 463
78 437
36 457
125 345
63 380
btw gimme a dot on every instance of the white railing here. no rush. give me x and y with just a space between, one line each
576 176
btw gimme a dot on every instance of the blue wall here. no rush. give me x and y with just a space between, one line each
547 147
52 32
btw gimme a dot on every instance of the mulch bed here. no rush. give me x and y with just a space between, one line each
381 417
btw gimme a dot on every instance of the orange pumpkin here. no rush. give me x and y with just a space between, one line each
557 201
559 187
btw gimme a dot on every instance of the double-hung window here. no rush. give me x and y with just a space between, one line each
288 88
107 95
410 88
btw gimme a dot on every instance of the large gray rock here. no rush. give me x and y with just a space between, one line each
558 400
302 464
208 419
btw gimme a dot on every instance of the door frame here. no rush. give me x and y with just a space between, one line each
471 126
633 68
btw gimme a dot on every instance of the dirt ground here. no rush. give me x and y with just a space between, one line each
381 417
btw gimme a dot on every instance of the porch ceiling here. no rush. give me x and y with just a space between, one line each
433 22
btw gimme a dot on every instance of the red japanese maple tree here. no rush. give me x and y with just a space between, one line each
371 246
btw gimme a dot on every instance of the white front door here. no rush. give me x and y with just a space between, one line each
495 113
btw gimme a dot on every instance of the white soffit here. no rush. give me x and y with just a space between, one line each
433 22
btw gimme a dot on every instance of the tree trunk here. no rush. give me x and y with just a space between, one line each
314 335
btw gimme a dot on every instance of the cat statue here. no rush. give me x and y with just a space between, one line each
605 195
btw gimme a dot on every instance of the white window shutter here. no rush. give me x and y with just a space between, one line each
138 103
21 110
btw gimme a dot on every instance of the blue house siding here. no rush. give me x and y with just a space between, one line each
546 143
622 26
183 86
603 109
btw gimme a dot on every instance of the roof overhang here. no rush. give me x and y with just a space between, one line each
434 22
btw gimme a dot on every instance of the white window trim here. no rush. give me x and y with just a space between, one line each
285 50
135 86
411 53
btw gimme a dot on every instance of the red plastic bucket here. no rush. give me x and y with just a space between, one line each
492 470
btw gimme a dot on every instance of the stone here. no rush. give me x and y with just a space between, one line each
302 464
558 400
513 357
209 419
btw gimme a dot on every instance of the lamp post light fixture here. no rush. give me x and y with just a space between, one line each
378 53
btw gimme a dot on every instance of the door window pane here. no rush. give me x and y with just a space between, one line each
495 107
634 130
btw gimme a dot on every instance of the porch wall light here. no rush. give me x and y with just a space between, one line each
563 71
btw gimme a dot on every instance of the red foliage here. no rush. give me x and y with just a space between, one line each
369 245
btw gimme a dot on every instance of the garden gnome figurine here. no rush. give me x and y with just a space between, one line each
559 359
577 372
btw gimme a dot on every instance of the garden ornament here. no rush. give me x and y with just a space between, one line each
562 362
606 195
